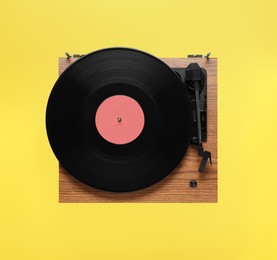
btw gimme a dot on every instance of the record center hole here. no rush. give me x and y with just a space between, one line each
119 119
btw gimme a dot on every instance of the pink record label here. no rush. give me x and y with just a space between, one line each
119 119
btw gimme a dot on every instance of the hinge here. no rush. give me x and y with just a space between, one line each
74 55
207 56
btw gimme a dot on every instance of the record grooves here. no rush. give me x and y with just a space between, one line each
146 158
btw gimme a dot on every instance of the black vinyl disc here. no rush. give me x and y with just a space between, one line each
79 145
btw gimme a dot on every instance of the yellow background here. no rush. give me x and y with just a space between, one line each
243 225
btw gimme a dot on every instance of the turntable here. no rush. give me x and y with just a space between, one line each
126 126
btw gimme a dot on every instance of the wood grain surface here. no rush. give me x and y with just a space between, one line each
175 187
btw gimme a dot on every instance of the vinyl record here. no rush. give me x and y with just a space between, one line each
119 119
